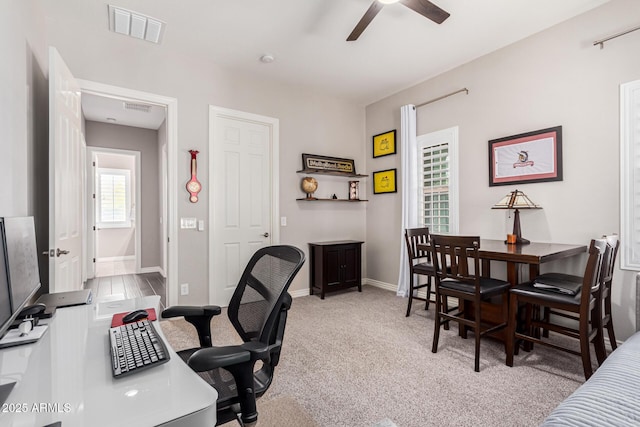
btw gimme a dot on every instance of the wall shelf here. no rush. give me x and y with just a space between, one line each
331 200
334 173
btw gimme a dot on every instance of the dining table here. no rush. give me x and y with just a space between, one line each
532 254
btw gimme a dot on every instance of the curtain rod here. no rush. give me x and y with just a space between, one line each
601 42
443 97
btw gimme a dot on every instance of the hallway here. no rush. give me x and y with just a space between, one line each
128 286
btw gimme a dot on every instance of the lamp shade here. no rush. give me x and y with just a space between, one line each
516 200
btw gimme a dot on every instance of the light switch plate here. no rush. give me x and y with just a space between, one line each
188 223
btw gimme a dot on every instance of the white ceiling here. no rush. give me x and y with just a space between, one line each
104 109
308 37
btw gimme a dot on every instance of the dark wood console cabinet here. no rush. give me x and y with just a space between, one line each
335 266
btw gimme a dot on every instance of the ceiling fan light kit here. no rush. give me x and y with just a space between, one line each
423 7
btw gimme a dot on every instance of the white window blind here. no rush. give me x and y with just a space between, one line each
435 174
113 197
630 175
439 177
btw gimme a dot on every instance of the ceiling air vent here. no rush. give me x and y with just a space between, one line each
134 24
144 108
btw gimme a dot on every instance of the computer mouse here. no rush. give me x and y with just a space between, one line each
134 316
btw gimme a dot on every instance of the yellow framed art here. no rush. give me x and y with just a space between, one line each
384 181
384 144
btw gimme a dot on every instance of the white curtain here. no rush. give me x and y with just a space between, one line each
409 189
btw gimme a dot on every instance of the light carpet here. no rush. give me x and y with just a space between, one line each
354 359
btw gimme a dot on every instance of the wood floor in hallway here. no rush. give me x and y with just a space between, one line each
129 286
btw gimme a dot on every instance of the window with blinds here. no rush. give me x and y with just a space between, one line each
630 175
113 198
435 188
438 164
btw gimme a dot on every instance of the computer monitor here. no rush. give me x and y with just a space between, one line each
20 266
6 314
22 259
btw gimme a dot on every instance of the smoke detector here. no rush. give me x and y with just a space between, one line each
267 58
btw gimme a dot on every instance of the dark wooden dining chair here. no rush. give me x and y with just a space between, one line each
458 275
561 297
607 319
603 311
419 264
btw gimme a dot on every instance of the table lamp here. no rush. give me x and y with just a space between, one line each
516 200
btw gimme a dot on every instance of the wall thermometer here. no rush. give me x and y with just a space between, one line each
193 186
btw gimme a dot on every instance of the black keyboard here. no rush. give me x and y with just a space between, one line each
135 347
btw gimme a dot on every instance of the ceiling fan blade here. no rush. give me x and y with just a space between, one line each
427 9
371 13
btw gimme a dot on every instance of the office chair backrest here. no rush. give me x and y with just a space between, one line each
257 301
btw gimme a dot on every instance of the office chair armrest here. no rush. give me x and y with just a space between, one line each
210 358
191 311
199 317
258 350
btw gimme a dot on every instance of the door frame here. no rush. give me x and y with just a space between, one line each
171 104
92 152
274 156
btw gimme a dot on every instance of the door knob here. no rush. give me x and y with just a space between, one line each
61 252
265 235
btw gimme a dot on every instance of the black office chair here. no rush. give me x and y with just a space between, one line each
258 312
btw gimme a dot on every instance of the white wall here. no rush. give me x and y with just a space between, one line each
310 122
553 78
24 119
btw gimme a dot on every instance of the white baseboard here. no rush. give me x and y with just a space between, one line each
379 284
116 258
299 293
156 269
422 293
376 283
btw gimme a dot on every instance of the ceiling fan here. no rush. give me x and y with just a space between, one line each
423 7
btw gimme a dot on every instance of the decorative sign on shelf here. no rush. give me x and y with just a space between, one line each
193 186
329 164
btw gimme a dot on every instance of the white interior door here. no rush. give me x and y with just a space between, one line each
243 195
66 172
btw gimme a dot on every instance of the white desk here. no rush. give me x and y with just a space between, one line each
66 376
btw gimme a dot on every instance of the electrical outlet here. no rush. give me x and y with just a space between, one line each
184 289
